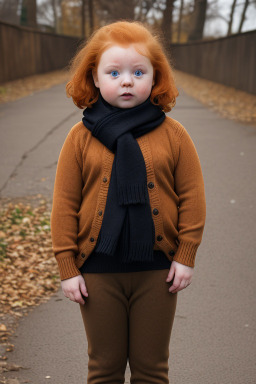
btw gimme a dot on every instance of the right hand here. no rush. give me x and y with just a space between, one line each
73 287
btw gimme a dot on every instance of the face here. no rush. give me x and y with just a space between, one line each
124 77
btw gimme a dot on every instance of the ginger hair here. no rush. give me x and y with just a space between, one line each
124 33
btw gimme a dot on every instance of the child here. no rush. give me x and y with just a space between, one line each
128 204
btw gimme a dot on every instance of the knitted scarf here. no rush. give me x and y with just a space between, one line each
127 218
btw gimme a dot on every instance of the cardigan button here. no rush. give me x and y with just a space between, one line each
82 255
92 239
151 185
100 213
172 252
105 179
155 211
159 238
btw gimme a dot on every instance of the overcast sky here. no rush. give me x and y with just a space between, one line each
218 27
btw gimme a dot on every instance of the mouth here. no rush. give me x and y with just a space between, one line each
126 95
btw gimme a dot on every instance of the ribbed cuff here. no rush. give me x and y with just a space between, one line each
186 253
66 264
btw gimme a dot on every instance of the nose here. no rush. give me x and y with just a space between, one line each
127 80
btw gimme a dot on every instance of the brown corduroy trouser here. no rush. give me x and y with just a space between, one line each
128 316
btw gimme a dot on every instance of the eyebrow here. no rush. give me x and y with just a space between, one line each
109 66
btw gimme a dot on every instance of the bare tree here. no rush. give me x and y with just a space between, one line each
246 3
83 18
198 20
9 11
49 15
167 21
231 17
115 10
143 8
55 17
71 17
28 13
91 15
180 19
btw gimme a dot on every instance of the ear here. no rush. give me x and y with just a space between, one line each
95 78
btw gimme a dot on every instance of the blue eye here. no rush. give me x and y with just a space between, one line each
114 73
138 73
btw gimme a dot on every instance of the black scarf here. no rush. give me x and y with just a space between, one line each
127 217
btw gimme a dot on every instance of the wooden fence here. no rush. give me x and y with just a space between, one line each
229 60
25 52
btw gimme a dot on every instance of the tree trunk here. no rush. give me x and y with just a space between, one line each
83 19
243 16
198 20
55 18
91 21
180 20
28 13
167 21
231 17
117 10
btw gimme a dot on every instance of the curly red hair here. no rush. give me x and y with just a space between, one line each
124 33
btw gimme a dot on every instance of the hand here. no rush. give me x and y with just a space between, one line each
182 275
73 287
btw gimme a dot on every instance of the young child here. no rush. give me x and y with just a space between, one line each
128 204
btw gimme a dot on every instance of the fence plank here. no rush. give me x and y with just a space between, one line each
230 60
25 52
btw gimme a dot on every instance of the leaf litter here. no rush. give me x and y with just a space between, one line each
28 269
229 102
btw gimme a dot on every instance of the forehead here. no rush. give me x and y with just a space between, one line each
130 53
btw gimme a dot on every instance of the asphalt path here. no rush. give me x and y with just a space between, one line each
213 338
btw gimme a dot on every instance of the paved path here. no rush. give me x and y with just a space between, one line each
213 338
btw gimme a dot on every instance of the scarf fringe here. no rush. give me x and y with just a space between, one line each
131 194
107 245
142 252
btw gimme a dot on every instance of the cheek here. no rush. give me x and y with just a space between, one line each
145 89
108 90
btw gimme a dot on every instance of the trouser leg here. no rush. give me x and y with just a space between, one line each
128 314
151 314
105 317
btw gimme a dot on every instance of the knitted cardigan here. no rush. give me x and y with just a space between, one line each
175 186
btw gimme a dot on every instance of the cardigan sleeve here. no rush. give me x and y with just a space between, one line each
67 196
189 186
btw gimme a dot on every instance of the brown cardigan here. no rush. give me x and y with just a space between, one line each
175 186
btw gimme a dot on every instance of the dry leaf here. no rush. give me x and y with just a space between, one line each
229 102
28 268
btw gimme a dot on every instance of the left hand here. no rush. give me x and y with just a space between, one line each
181 275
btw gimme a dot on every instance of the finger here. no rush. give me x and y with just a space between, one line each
170 275
83 289
175 285
75 296
71 296
78 297
184 284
